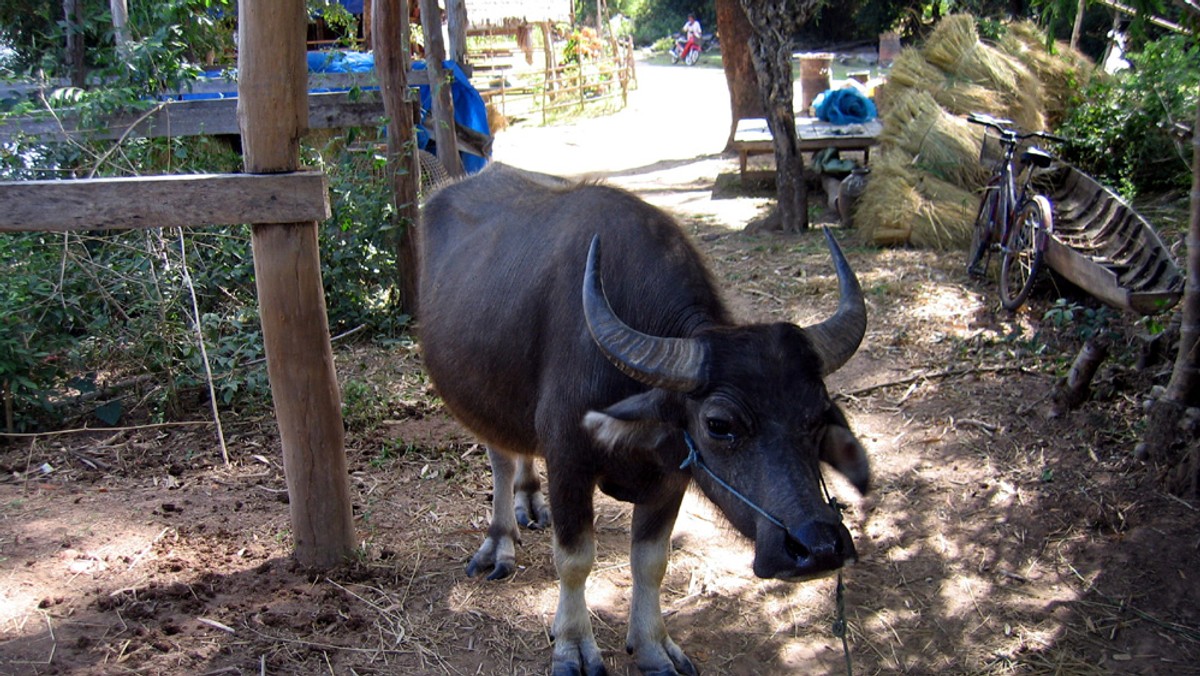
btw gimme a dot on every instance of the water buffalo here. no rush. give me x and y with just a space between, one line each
614 390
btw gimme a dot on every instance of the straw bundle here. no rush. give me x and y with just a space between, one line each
1062 71
884 212
941 144
946 215
955 48
911 70
907 206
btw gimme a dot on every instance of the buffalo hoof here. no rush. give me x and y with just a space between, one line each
665 659
577 658
531 510
497 554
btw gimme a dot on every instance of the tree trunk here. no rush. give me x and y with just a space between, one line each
456 25
120 20
744 97
773 22
391 39
1077 27
76 65
1163 434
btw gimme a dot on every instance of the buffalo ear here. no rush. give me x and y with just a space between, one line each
640 421
842 451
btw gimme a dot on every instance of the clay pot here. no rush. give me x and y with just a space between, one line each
848 193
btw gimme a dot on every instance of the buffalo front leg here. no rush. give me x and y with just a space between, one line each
499 549
656 654
575 649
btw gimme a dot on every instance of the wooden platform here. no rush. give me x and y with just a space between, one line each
752 137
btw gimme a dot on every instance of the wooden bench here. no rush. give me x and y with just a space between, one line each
753 137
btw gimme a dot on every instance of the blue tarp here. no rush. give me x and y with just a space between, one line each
469 111
844 106
469 108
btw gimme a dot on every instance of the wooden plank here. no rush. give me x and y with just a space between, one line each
222 85
163 201
195 118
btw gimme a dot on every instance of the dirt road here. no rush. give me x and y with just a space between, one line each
666 144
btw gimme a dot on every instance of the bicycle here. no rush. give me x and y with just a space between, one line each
1017 223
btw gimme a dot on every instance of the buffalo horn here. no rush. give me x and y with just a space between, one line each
669 363
837 339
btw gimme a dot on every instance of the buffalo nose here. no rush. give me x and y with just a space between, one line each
818 547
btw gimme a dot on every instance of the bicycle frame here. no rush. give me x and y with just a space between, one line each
1010 200
1013 219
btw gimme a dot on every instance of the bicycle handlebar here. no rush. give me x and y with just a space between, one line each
1004 127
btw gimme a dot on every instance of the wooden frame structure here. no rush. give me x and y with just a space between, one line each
284 205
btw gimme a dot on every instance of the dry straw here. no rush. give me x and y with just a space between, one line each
1063 71
955 48
906 205
941 144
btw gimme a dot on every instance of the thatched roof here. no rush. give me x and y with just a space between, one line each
483 13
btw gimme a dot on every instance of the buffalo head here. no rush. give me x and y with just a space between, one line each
752 401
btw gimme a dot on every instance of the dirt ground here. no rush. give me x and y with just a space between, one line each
997 540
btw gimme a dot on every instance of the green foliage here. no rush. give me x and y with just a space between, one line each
1121 130
1084 322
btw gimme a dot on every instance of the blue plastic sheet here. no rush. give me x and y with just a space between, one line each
844 106
469 108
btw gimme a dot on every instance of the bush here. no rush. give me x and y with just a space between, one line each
1121 130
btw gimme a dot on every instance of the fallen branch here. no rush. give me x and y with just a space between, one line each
80 430
935 375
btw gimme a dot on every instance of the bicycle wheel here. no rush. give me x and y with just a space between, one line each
1023 252
982 235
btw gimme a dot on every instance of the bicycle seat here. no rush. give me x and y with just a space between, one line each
1037 157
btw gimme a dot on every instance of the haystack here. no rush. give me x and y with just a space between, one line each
942 145
905 205
924 186
1062 71
910 70
955 48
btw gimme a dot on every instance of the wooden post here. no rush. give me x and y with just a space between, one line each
439 88
456 25
273 113
391 41
73 20
367 29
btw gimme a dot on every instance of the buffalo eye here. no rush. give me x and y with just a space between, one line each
719 428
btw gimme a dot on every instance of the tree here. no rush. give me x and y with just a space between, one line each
773 23
1163 440
744 98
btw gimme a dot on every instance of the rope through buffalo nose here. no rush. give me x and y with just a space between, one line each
839 622
694 458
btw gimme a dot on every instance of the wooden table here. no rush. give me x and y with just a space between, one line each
752 137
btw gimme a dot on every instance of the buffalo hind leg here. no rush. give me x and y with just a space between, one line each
648 642
498 552
530 506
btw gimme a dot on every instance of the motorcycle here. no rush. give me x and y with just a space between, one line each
689 52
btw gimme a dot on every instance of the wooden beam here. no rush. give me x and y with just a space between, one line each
287 272
163 201
201 117
196 117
